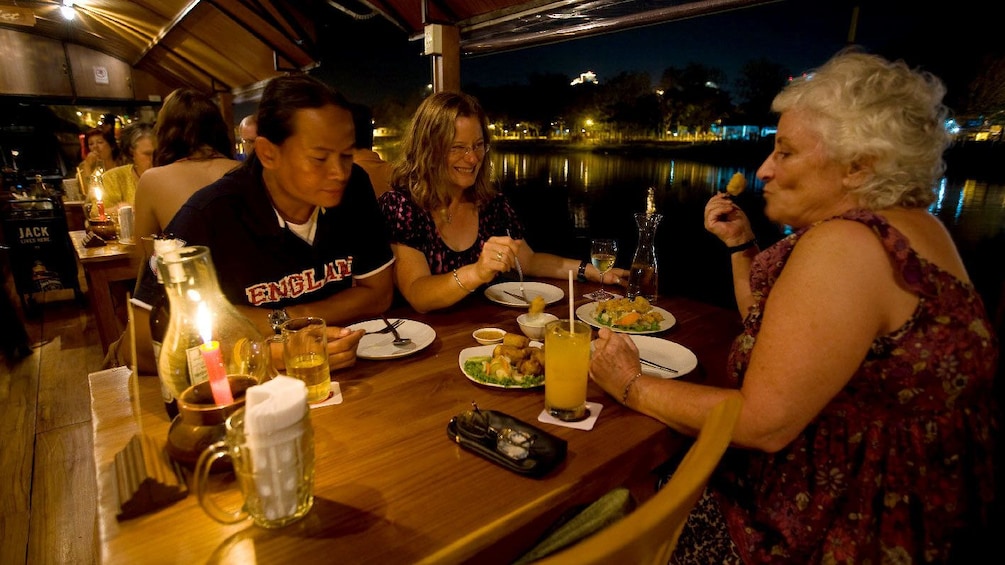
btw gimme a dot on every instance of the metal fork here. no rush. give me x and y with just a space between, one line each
385 330
519 272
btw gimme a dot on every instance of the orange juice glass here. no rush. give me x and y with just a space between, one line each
566 369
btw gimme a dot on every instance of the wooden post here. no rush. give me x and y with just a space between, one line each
443 45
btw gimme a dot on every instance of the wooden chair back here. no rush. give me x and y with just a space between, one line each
649 534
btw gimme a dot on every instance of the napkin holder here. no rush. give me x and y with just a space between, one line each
546 451
145 479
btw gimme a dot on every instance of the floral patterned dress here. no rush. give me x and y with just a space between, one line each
410 225
901 459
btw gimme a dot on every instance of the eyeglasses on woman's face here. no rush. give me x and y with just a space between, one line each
459 151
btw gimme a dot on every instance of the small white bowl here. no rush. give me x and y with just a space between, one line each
533 326
488 336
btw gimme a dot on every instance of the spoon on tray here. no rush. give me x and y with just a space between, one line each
398 340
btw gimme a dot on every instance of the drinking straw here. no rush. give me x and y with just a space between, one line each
571 319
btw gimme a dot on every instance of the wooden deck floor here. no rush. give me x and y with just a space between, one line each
48 504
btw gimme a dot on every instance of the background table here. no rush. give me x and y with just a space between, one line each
390 486
103 266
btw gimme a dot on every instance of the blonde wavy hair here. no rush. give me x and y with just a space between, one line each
422 167
871 110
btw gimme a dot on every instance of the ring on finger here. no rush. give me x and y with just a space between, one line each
499 256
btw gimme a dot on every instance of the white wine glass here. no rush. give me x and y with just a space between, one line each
603 253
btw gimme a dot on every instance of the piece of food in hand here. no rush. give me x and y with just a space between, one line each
736 185
515 340
537 305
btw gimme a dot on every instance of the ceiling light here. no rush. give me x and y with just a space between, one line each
67 10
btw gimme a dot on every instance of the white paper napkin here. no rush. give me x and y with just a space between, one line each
271 410
585 424
334 398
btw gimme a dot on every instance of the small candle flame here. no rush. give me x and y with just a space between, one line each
204 321
97 194
651 201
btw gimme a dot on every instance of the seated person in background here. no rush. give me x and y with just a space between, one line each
119 184
867 359
248 130
193 150
363 155
295 230
450 230
102 154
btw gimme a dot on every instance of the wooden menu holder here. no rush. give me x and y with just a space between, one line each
144 477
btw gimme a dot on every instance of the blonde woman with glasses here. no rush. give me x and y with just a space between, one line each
450 230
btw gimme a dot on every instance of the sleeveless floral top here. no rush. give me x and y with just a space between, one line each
410 225
898 461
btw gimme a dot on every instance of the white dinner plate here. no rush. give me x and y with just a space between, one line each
667 353
497 293
585 313
379 346
486 351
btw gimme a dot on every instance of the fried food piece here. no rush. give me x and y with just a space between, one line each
537 305
736 185
515 354
516 340
531 367
537 354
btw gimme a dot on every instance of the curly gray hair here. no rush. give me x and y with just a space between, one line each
881 113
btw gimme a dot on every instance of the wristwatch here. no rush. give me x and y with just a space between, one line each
277 318
582 271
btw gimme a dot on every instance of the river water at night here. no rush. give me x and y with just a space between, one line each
566 198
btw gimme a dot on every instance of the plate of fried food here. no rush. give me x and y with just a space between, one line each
626 315
517 362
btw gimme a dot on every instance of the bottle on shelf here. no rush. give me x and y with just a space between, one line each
643 279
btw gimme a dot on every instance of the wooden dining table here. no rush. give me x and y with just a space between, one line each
390 485
104 265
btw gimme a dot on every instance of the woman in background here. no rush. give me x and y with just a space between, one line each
119 184
193 150
451 231
102 154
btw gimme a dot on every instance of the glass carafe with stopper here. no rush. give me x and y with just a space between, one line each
193 291
643 279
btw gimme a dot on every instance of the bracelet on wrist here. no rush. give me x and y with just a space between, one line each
582 271
628 388
743 246
457 280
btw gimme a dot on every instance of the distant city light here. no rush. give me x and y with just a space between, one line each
588 76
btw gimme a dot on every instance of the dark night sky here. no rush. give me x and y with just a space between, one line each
799 34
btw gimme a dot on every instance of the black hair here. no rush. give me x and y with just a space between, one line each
282 98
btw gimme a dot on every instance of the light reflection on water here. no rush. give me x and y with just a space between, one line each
567 198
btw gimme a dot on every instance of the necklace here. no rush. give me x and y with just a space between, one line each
447 216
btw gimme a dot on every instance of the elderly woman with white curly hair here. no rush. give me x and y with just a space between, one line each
867 359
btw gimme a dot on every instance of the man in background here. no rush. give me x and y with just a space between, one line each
248 130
